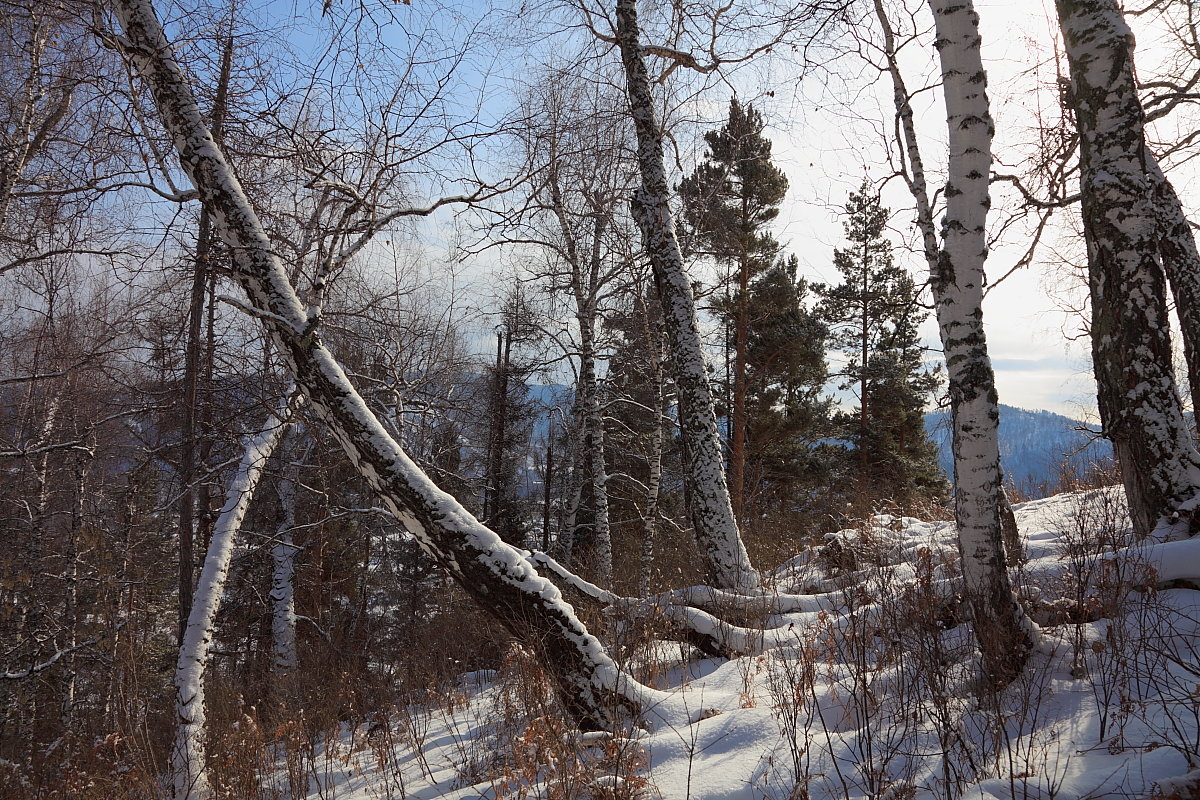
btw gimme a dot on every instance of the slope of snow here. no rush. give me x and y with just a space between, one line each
876 697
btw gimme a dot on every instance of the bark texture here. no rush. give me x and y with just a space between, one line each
1121 187
493 573
1181 262
726 562
958 283
918 187
283 573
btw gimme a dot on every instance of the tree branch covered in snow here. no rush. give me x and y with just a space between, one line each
495 574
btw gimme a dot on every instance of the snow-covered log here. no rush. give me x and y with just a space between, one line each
700 615
1131 347
725 559
958 283
189 771
495 574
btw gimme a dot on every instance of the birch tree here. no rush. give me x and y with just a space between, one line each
496 575
575 149
1129 240
189 759
958 284
726 561
957 277
283 560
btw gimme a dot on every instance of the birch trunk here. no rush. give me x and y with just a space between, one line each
189 762
283 583
654 481
1181 262
585 289
573 496
1131 346
726 562
594 445
958 283
496 575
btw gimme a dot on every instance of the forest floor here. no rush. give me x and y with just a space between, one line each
876 695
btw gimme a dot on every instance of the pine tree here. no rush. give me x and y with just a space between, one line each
729 201
509 419
787 413
874 315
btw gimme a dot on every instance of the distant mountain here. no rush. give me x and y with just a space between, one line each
1034 445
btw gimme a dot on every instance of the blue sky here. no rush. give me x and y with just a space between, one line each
1039 361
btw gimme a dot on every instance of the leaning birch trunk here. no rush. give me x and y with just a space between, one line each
189 762
1131 347
726 562
496 575
958 293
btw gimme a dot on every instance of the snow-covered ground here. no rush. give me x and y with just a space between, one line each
875 696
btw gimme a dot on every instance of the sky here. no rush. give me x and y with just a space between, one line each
827 153
1041 359
828 148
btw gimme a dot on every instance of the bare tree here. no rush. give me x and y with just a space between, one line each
726 561
189 759
498 576
575 150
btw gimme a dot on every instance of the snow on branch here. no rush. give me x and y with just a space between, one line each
58 654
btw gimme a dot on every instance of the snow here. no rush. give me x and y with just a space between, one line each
1105 707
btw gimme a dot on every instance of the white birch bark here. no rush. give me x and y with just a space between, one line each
594 444
958 284
283 575
726 562
189 761
918 187
654 481
573 497
496 575
1120 193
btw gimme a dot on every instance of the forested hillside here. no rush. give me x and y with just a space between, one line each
1040 451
